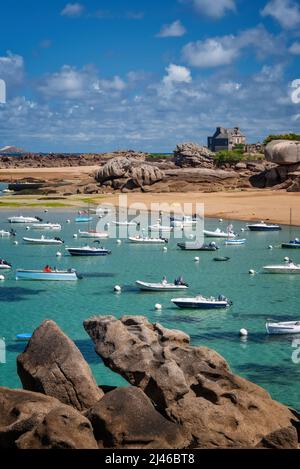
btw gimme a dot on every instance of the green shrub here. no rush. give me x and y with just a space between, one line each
290 136
229 156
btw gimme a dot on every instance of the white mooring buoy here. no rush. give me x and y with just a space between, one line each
2 277
58 254
252 272
243 332
117 289
158 306
197 259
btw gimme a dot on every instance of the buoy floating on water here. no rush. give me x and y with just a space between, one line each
220 220
286 259
27 227
58 254
2 277
242 229
16 242
197 259
158 306
270 246
252 272
75 236
117 289
165 248
68 221
243 332
119 241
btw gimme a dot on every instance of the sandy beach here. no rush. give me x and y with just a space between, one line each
238 205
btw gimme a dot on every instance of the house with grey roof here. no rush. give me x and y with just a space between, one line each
225 139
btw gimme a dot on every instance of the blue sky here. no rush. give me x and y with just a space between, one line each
97 75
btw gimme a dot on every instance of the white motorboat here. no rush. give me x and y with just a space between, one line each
93 234
46 226
219 234
161 228
288 268
162 286
125 223
7 234
262 226
186 221
47 275
290 327
234 242
43 240
146 240
21 219
201 302
4 265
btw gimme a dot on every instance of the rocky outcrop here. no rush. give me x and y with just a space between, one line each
62 428
51 364
193 386
283 152
193 155
128 172
126 418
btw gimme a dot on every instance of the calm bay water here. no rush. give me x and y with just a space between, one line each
265 360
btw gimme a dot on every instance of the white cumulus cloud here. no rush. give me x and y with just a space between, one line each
177 74
211 52
12 68
73 10
295 48
286 12
175 29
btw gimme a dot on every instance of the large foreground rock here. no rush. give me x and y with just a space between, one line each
193 386
126 418
283 152
52 364
193 155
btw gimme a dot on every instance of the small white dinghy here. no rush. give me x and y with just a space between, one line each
184 222
289 327
162 286
47 275
146 240
43 240
125 223
161 228
4 265
93 234
21 219
6 234
289 268
235 242
46 226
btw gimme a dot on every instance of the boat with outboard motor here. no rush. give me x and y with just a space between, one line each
88 251
286 327
293 244
195 246
146 240
93 234
201 302
234 242
4 265
46 226
7 234
262 226
21 219
218 233
164 285
47 275
43 240
288 268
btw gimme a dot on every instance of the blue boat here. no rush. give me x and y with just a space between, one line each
293 244
54 275
83 219
23 337
88 251
201 302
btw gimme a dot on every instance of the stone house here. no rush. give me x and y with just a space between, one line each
225 139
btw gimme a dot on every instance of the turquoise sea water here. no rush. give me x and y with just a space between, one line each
265 360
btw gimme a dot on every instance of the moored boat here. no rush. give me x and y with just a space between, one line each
146 240
7 234
21 219
4 265
262 226
83 219
183 222
88 251
23 337
47 275
125 223
195 246
293 244
43 240
234 242
93 234
278 328
201 302
288 268
161 228
46 226
222 259
164 285
219 234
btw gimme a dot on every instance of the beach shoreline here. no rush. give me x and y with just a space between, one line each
246 205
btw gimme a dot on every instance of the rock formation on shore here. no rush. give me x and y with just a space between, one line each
285 171
193 155
180 396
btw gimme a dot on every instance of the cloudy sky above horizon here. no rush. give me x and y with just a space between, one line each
97 75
